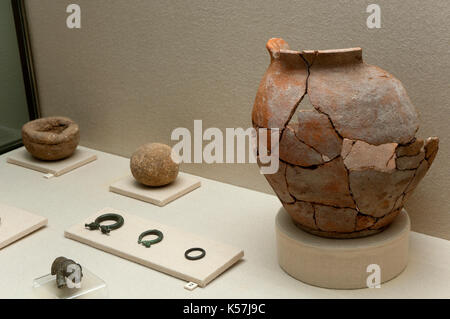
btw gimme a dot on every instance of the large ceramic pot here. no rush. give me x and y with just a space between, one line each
349 158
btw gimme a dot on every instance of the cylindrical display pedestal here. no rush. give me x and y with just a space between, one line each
341 263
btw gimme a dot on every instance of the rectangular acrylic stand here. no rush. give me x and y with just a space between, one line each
92 287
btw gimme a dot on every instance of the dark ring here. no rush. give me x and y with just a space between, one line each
114 217
203 253
148 243
106 228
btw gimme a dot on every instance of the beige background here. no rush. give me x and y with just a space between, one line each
138 69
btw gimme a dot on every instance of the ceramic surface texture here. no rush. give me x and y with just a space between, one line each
349 158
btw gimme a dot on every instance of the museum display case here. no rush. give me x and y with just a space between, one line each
18 93
137 162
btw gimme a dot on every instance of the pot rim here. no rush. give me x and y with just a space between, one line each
327 51
327 57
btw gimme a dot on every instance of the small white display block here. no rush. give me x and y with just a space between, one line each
16 223
80 157
159 196
92 287
166 256
342 263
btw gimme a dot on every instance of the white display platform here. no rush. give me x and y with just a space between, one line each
80 157
92 287
16 223
166 256
159 196
342 263
219 211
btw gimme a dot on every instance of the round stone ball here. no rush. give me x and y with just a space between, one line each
51 138
152 165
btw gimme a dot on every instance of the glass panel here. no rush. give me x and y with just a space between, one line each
13 102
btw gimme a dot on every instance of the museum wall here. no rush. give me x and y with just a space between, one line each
138 69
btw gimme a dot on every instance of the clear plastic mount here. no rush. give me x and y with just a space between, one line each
92 287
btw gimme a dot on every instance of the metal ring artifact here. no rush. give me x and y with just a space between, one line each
105 229
148 243
201 250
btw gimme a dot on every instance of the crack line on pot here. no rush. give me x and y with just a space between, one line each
287 185
301 99
288 127
292 113
322 204
410 182
350 188
307 87
314 204
334 128
310 146
390 158
314 216
311 167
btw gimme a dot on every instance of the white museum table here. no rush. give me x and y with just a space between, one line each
222 212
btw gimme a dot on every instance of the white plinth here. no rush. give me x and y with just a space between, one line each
80 157
166 256
341 263
159 196
16 223
92 287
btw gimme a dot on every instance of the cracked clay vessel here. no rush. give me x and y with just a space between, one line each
349 158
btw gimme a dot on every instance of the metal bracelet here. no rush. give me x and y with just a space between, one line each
105 229
148 243
201 250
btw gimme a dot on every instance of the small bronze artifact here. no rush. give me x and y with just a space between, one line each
67 270
148 243
105 229
51 138
201 250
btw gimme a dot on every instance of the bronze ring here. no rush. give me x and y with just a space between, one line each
119 221
201 250
149 243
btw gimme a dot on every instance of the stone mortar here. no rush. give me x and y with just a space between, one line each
51 138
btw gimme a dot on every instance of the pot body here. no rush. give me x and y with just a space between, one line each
349 158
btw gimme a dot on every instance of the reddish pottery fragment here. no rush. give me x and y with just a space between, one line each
349 155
